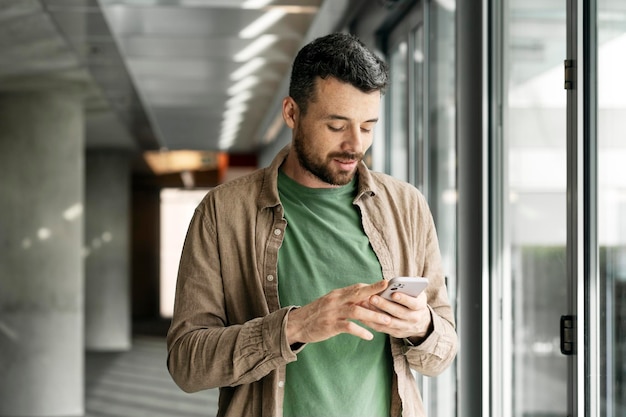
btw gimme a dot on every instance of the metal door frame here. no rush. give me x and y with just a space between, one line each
582 242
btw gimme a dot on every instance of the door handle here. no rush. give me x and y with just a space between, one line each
568 335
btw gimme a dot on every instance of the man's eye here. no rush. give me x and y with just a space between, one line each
335 128
365 130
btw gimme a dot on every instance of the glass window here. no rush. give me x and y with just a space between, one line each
611 119
421 144
436 130
398 114
419 170
534 285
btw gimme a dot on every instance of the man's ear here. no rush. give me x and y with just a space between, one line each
290 111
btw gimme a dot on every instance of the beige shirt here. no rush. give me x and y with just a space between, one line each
228 328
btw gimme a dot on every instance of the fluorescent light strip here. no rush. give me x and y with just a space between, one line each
255 4
228 137
237 109
239 98
245 84
248 68
226 142
263 23
259 45
232 119
230 130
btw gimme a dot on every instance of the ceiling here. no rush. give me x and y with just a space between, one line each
165 75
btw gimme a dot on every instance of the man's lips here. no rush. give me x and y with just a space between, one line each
346 164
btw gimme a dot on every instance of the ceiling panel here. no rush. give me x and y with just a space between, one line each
31 45
183 55
197 22
162 74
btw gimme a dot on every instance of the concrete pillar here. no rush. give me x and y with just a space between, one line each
107 264
41 264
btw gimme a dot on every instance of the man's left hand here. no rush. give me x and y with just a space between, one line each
410 316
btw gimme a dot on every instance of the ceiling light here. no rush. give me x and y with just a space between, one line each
245 84
255 4
259 45
236 109
231 124
229 130
247 68
227 139
180 160
239 98
232 119
263 23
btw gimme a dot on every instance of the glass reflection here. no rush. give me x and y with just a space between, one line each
612 204
398 134
535 378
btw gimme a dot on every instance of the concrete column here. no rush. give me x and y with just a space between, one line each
107 264
41 264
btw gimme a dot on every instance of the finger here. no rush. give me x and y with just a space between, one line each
392 308
413 303
359 331
406 300
388 329
361 292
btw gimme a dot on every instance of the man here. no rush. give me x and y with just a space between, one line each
276 300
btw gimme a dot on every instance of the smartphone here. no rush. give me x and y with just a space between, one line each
412 286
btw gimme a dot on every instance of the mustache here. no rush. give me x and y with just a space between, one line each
350 156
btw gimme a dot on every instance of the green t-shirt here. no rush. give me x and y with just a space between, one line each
325 248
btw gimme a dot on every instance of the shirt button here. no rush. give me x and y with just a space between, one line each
277 232
270 277
281 384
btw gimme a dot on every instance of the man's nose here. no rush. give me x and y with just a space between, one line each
353 141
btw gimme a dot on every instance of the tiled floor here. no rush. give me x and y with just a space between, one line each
136 384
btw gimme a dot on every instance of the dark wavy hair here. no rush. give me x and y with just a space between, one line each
339 55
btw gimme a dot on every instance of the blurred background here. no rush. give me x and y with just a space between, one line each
117 116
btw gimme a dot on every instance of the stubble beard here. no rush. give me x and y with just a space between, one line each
320 167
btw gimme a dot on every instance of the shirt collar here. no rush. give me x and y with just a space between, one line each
269 189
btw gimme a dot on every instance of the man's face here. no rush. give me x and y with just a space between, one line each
336 131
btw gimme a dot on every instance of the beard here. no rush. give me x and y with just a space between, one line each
320 166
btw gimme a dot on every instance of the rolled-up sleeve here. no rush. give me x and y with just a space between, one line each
437 351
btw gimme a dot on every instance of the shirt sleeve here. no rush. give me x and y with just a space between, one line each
205 350
434 354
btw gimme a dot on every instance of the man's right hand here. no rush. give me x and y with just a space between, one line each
334 313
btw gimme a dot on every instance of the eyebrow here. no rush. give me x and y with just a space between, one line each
339 117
